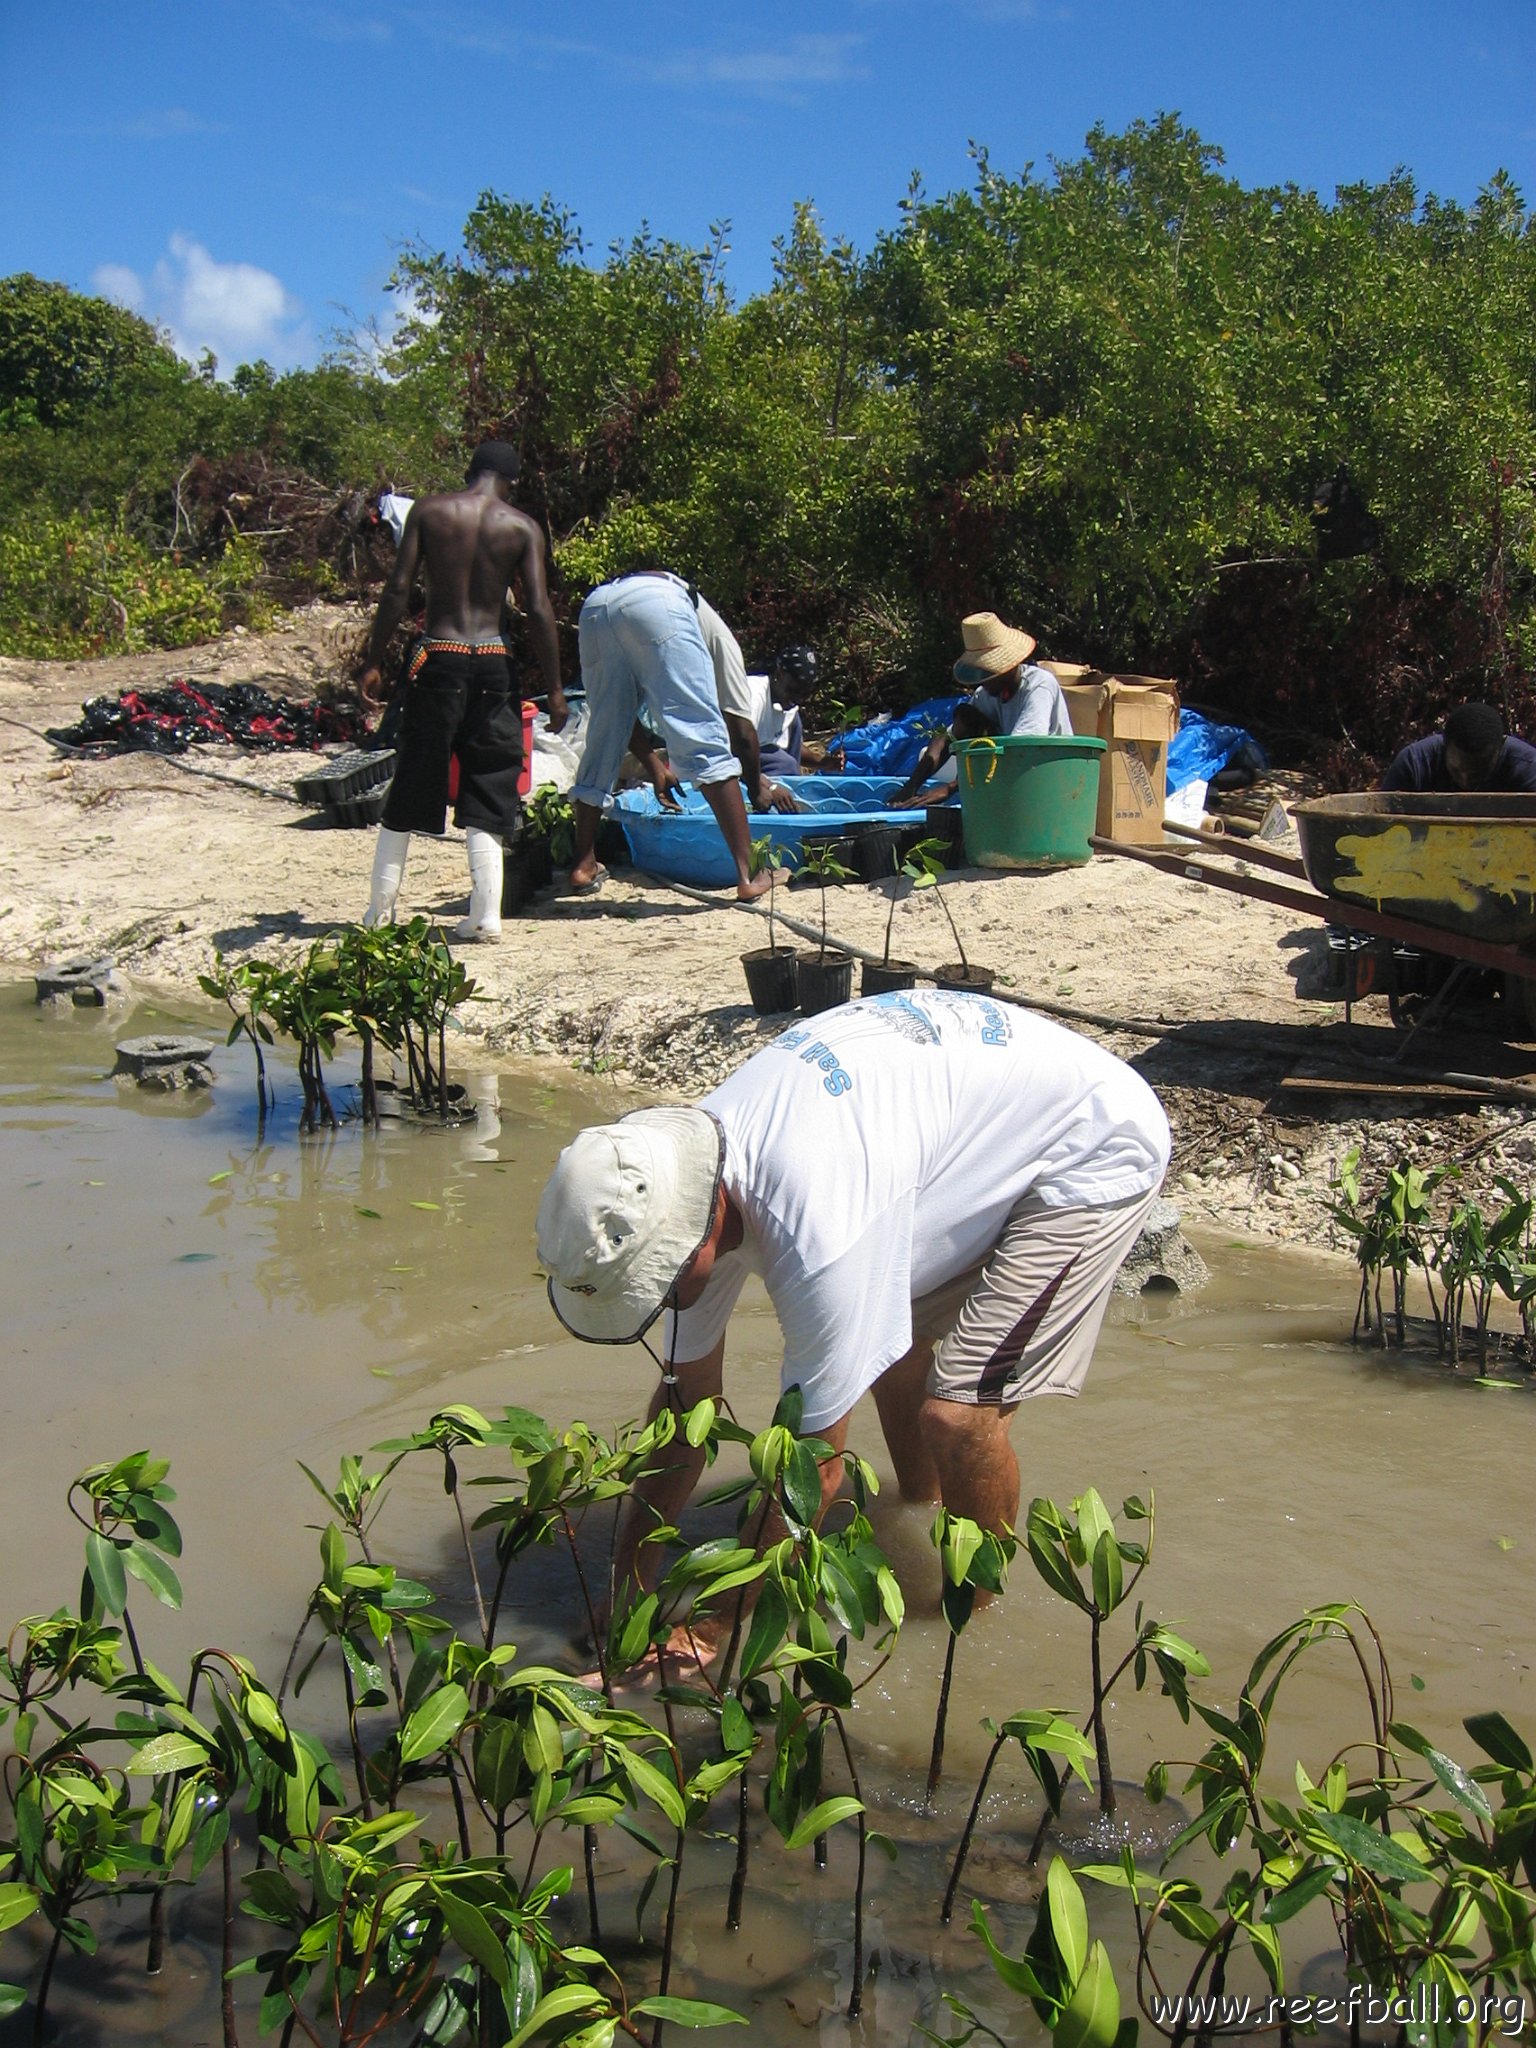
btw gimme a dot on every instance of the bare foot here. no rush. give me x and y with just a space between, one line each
585 872
748 892
689 1654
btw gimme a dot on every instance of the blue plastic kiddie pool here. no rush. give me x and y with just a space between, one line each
687 846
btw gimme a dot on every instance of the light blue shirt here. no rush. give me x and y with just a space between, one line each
1036 706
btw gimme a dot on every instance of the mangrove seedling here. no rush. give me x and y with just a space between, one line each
1080 1556
823 866
924 867
1069 1980
367 963
1473 1256
766 857
792 1668
1042 1736
794 1593
550 816
246 990
974 1560
1389 1237
307 1004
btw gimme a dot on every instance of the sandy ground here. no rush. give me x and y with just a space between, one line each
157 864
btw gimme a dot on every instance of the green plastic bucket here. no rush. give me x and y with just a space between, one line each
1029 800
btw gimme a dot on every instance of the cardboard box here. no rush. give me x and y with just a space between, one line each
1136 716
1068 672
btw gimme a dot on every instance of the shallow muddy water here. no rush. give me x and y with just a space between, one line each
232 1304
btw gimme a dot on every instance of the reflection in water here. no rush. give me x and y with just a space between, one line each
239 1306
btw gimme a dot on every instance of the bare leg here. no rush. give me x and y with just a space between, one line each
584 866
978 1472
899 1394
725 800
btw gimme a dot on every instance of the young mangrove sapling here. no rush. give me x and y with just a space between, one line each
974 1560
765 856
1080 1556
924 866
823 866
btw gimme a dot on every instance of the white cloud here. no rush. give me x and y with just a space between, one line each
781 71
168 124
1048 12
237 310
154 124
336 25
367 342
123 286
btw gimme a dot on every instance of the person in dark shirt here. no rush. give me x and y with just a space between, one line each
794 679
1473 753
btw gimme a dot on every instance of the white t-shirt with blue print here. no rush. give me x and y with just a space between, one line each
875 1152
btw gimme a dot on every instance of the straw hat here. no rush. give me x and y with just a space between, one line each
626 1208
991 648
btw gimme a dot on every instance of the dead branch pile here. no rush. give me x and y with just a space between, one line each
314 539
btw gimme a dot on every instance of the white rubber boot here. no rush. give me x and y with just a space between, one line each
388 872
484 919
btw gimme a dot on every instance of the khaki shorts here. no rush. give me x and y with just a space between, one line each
1025 1321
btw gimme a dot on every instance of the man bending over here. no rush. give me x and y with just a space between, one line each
936 1191
646 667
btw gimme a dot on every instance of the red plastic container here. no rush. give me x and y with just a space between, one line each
525 776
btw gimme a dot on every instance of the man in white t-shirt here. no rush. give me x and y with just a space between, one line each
936 1190
1011 695
743 705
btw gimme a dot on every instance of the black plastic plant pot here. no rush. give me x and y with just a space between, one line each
773 979
945 822
540 861
975 981
885 977
517 886
613 845
874 852
826 979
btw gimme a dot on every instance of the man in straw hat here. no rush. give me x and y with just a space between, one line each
1009 694
936 1191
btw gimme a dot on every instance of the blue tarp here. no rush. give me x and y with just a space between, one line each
891 746
1200 749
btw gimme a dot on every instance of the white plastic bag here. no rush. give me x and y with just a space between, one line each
557 755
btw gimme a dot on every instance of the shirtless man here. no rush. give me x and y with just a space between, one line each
474 543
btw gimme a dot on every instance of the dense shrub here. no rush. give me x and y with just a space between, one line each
1099 400
82 587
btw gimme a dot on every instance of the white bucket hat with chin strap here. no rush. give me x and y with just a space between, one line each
624 1211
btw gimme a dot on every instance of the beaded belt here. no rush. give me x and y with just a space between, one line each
431 647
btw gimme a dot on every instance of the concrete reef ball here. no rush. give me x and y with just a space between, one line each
165 1063
84 982
1162 1257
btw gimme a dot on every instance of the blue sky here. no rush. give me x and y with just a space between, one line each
244 171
